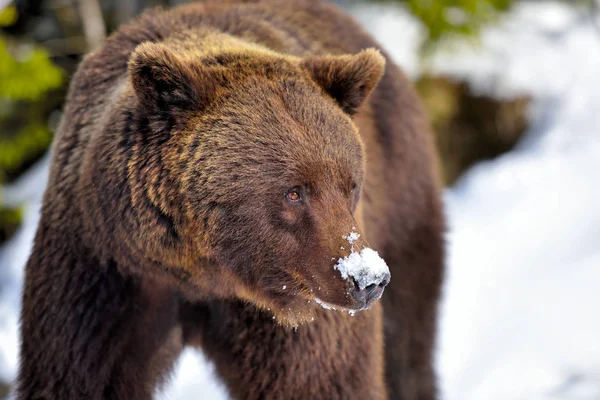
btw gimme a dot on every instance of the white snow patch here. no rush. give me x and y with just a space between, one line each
366 267
195 378
28 190
352 237
523 265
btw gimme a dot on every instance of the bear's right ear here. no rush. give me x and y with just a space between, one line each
166 84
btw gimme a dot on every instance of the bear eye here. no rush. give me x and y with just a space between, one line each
293 195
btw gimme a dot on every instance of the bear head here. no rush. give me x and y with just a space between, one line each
254 169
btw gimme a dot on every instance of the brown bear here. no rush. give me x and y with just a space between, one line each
219 177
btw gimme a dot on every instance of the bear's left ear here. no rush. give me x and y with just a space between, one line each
166 84
349 79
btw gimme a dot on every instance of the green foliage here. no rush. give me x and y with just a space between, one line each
448 18
8 15
27 75
9 222
451 17
27 143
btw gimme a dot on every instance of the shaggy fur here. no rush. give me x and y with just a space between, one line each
167 219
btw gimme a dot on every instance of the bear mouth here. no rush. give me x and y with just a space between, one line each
350 310
364 302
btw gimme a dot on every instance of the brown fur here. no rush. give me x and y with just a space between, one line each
166 223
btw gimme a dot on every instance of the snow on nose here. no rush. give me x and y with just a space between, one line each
365 267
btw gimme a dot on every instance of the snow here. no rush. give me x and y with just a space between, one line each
195 379
27 190
522 290
396 30
352 237
365 267
519 311
520 305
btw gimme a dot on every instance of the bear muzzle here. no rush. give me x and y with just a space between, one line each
364 275
368 295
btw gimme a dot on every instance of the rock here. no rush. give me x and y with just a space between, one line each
470 127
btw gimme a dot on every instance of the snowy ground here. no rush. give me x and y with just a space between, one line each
519 318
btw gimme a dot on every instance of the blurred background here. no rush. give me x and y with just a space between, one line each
513 91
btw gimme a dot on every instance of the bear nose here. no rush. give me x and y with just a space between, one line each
370 293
